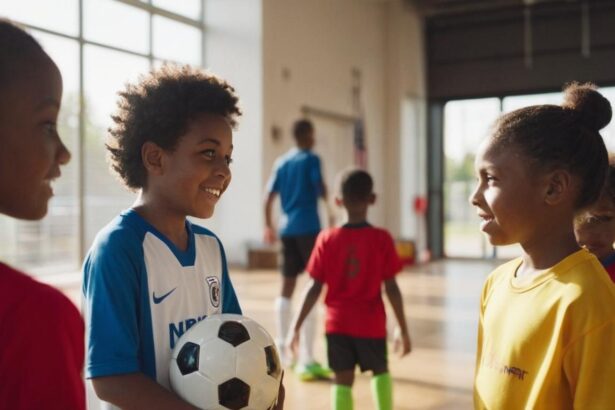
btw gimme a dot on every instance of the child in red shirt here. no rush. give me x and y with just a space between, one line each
594 228
353 261
41 331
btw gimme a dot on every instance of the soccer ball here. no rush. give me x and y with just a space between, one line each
226 361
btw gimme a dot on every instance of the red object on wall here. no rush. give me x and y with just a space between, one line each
420 205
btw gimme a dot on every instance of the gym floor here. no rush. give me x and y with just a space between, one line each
441 302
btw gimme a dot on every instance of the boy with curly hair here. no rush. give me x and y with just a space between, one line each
151 274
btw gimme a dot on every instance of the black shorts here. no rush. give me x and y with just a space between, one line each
296 251
345 352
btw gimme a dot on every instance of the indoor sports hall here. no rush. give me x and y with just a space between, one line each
405 89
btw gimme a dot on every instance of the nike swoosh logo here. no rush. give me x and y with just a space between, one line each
163 297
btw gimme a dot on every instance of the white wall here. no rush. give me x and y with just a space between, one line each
282 55
406 122
233 50
310 48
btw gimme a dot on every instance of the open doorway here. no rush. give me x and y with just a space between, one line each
334 145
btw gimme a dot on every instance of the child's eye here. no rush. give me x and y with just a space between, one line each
228 159
597 219
209 153
50 127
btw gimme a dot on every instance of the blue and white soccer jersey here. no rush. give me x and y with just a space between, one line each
142 293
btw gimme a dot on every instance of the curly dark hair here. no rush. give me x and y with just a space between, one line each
565 137
159 108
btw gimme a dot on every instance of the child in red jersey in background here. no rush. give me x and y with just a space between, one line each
41 331
594 228
354 261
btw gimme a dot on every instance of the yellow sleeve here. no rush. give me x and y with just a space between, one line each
589 364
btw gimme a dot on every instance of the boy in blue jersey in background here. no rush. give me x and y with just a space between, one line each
297 179
151 274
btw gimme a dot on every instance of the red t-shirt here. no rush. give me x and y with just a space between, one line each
41 346
353 261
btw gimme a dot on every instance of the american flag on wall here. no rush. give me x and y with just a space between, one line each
360 147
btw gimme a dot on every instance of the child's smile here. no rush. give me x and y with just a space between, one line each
213 191
197 172
504 196
486 219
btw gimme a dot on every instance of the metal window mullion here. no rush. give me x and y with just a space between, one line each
149 7
202 28
82 40
151 37
81 144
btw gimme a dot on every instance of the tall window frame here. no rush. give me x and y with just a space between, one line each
68 270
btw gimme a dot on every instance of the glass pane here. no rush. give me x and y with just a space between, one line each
176 42
58 15
50 246
519 101
188 8
106 72
116 24
466 124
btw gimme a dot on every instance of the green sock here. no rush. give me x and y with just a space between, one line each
341 397
382 390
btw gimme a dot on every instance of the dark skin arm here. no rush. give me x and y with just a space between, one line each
324 195
137 391
270 235
394 295
310 297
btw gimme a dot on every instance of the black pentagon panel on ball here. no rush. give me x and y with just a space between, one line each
188 358
234 394
274 368
234 333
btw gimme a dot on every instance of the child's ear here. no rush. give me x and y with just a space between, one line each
559 184
151 155
372 199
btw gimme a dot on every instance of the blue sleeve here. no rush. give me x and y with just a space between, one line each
230 303
316 174
111 293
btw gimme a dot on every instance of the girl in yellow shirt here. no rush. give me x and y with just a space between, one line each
547 319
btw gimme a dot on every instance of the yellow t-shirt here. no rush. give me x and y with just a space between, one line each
549 344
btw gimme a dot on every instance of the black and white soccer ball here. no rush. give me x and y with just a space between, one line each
226 361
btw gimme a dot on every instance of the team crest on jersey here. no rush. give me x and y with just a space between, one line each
214 290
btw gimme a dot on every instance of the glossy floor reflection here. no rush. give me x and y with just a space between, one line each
441 302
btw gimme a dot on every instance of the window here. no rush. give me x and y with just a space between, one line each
466 124
187 8
121 39
116 24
